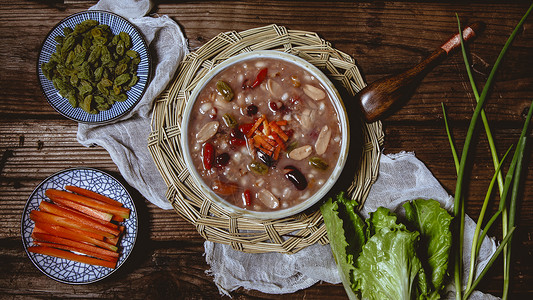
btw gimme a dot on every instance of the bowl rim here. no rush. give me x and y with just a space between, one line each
338 105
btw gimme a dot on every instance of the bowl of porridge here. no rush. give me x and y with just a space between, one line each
265 134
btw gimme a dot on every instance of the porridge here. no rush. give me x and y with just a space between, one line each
264 134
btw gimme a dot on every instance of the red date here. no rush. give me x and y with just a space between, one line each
247 197
208 156
223 188
260 77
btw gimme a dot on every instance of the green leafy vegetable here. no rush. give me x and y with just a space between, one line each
433 224
339 244
389 268
383 258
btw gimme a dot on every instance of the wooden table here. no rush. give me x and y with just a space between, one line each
384 38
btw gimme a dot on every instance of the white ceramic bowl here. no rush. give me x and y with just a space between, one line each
337 103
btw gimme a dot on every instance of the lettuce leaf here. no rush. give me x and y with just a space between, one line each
346 232
433 223
384 258
388 267
380 219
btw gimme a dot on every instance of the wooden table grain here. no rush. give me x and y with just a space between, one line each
384 38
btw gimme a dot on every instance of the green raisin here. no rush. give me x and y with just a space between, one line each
258 167
132 53
122 79
126 39
225 90
318 163
229 121
121 48
121 69
133 81
86 104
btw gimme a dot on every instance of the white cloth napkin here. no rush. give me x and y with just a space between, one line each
402 177
126 140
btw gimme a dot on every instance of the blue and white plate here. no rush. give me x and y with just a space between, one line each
68 271
117 25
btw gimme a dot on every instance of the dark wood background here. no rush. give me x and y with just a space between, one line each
384 38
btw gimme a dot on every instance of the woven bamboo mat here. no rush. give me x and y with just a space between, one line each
214 223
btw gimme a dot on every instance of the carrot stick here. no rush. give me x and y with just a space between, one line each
279 131
256 125
278 140
77 218
70 234
45 217
114 241
38 229
117 218
267 139
276 152
44 237
268 152
91 194
71 256
261 141
60 210
266 128
74 249
120 211
281 122
105 223
84 209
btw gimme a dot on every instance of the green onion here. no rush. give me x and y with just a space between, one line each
493 258
475 249
512 175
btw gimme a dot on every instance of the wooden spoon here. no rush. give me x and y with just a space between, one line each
383 96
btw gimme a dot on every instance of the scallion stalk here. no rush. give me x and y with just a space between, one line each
459 199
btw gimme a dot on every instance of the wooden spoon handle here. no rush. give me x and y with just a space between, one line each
383 96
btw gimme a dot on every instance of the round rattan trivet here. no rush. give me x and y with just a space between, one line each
215 224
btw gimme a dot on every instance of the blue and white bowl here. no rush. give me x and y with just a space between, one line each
68 271
117 24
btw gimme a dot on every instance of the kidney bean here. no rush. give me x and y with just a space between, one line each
265 158
222 160
273 106
251 110
244 128
237 142
295 177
